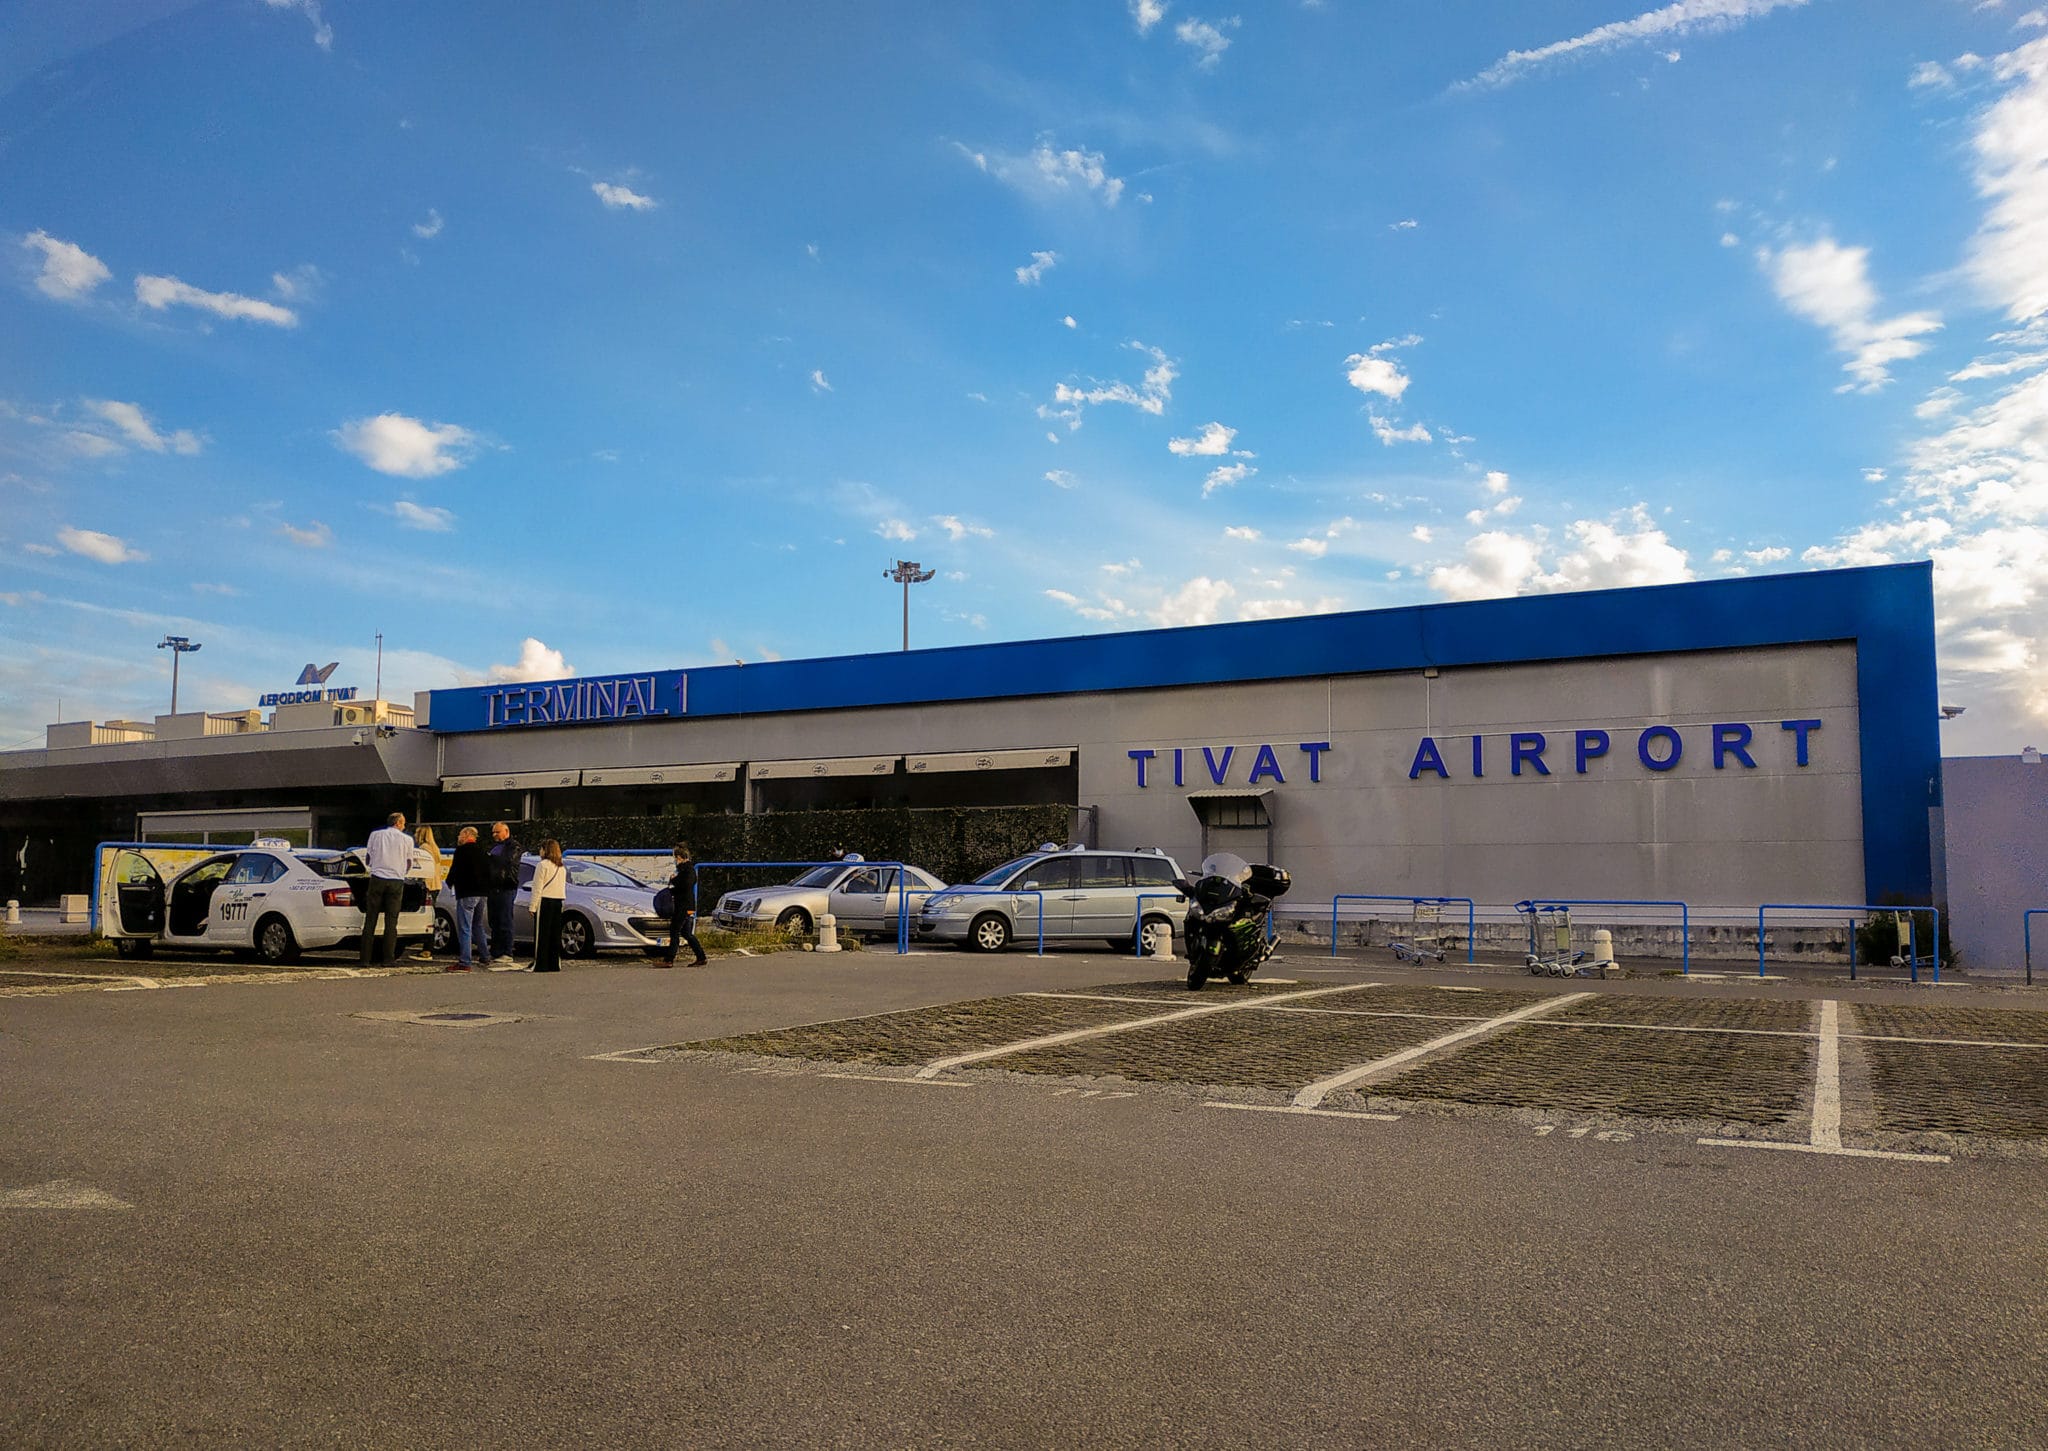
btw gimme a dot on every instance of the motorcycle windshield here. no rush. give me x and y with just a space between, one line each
1228 865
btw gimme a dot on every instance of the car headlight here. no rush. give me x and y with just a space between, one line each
612 905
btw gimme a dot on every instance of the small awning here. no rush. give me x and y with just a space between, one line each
1030 760
660 775
514 781
1231 806
827 766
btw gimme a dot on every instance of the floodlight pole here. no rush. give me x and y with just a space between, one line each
907 572
177 645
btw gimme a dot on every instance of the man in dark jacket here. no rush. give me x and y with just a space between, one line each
682 907
469 883
504 886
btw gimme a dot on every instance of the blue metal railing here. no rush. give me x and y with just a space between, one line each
1912 930
902 878
1138 921
1037 892
1471 914
1537 904
2027 937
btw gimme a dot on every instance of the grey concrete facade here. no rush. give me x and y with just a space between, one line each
1996 826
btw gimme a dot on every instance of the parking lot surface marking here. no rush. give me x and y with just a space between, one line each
60 1194
1288 1108
1075 1035
1827 1080
888 1078
1313 1095
1837 1153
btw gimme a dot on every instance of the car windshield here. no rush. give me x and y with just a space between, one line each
819 876
1001 874
597 874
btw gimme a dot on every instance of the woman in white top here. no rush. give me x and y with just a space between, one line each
550 885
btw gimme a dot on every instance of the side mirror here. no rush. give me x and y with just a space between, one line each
1027 887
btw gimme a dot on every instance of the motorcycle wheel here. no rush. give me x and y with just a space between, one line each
1237 978
1196 977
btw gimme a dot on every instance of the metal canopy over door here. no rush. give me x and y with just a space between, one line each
1239 821
514 781
826 766
661 775
1027 760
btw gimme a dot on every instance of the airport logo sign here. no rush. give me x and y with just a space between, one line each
316 677
1658 748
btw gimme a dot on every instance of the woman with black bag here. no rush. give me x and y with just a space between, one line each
682 908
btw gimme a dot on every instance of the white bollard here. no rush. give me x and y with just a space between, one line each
1162 939
828 933
13 913
1603 951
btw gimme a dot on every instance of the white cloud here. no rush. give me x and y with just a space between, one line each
392 443
819 382
957 531
1496 482
1729 239
1068 321
1406 224
1421 534
1369 373
896 530
1771 555
1207 39
1873 476
323 33
1280 608
1930 75
1060 478
134 425
301 284
1051 173
1829 285
158 293
621 198
43 550
92 445
1212 442
537 662
1313 547
1226 476
1040 264
1147 13
69 271
1080 606
1389 435
2008 257
1198 602
1686 17
106 548
1625 551
431 227
1242 531
423 516
1150 397
314 536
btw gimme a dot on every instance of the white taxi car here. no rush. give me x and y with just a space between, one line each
270 899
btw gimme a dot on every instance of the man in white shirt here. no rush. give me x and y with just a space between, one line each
389 852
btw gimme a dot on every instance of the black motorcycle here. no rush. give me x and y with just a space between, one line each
1229 911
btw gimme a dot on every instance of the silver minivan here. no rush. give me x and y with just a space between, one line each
1088 896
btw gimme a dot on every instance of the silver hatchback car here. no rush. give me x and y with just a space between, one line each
1088 895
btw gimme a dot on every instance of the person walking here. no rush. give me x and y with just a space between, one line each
387 856
550 885
436 873
469 880
505 854
682 908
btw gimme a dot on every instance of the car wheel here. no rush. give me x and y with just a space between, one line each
576 937
1149 935
274 941
444 933
133 947
989 933
796 922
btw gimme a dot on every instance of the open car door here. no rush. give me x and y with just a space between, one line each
132 897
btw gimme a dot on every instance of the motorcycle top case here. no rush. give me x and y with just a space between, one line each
1269 881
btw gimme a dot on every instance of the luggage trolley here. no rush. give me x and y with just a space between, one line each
1550 942
1427 939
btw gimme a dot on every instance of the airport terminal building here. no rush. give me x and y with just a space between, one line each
1726 742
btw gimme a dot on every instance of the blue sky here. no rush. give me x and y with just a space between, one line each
556 339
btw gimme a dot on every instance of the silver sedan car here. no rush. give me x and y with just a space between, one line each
603 909
863 896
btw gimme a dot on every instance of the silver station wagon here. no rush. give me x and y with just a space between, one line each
1088 896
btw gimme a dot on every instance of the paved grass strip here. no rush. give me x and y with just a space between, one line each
1591 1070
42 978
1998 1025
919 1035
1435 1001
1767 1015
1250 1049
1176 990
1938 1088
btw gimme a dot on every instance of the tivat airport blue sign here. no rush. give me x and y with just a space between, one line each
1262 764
1657 748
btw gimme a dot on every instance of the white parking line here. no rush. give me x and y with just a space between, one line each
1827 1080
1075 1035
885 1078
1836 1153
1316 1092
1388 1118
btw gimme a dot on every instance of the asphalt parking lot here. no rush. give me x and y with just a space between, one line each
947 1200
